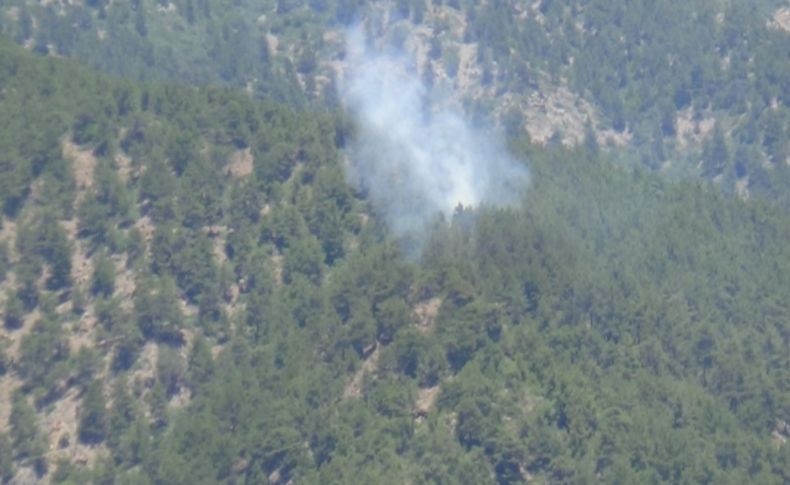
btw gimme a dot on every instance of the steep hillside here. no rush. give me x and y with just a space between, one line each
690 88
192 293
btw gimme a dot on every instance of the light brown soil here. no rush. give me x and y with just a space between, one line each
354 387
556 108
15 336
219 238
277 267
144 371
84 163
146 228
81 266
8 235
60 421
8 384
468 72
273 42
550 108
426 399
180 400
124 283
742 188
240 163
426 312
124 166
780 19
691 131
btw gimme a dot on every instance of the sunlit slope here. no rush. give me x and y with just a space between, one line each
193 293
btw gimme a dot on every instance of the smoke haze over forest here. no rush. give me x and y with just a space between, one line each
414 158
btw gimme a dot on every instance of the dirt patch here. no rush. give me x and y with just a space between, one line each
169 8
468 72
124 166
272 42
144 373
780 20
146 227
13 14
60 424
187 309
15 336
418 43
8 384
781 432
742 188
446 18
556 109
277 267
354 387
426 312
240 163
548 106
83 162
426 399
124 283
691 130
8 235
219 239
180 400
8 285
216 349
81 266
83 331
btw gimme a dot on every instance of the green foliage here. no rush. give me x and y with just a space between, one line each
4 360
93 415
121 414
200 367
616 326
27 271
157 311
6 458
418 356
128 342
391 315
86 365
170 370
305 258
78 300
43 240
28 442
14 311
467 330
4 262
200 193
103 278
106 205
44 356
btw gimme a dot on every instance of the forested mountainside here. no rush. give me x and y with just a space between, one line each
689 88
192 293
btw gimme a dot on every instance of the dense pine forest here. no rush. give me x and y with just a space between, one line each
193 291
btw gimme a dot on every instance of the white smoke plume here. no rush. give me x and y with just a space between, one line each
415 159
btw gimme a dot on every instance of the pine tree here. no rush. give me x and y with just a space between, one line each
93 415
6 459
25 435
103 279
14 310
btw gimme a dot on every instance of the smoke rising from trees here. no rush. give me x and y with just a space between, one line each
413 157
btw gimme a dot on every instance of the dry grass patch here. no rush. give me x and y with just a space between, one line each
426 312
